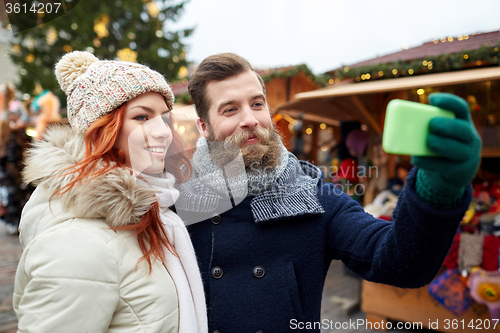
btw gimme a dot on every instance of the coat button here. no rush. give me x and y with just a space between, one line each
216 219
217 272
258 271
260 331
215 331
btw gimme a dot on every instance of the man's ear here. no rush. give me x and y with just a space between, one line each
202 127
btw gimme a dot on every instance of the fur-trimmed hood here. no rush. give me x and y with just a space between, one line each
115 196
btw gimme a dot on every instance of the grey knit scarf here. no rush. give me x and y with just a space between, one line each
285 191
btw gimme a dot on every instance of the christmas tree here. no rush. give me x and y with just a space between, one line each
129 30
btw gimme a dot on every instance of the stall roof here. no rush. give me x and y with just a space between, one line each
404 83
359 101
433 48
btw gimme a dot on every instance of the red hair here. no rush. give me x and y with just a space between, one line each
99 146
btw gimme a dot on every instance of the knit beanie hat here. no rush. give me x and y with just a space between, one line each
95 88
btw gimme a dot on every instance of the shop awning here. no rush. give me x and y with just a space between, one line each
361 101
404 83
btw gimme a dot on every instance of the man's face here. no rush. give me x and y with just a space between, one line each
239 115
237 105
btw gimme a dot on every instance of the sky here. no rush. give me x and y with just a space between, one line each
326 34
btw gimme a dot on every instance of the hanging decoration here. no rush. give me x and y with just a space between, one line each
483 56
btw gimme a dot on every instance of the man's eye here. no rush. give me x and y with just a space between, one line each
258 104
229 110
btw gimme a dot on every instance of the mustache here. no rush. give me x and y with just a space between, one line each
262 134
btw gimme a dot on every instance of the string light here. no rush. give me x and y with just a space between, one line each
127 55
153 9
51 36
466 56
183 72
309 130
450 39
100 26
16 48
410 71
322 126
420 91
30 58
394 71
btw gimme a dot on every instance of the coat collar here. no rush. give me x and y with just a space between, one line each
294 193
115 196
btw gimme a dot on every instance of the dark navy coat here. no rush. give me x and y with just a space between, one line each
269 276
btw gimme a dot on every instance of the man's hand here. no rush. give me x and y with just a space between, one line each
441 180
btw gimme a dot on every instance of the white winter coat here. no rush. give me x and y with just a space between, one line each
75 273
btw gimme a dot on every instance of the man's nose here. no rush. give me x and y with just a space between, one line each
248 120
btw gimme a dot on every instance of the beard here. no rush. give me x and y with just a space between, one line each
263 155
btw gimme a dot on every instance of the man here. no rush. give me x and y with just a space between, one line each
264 251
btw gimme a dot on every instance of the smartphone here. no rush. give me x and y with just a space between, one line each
406 127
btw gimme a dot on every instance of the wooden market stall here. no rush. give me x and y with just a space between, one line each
366 101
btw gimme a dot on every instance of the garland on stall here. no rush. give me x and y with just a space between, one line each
483 56
320 80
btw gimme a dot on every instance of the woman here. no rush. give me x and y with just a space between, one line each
102 250
13 141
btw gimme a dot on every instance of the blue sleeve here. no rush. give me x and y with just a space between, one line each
407 252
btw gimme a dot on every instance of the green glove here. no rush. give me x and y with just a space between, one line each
441 180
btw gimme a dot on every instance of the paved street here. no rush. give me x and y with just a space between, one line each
10 252
337 286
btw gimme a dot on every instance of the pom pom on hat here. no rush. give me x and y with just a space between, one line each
97 87
71 66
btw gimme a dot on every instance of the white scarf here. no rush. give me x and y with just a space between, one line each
183 269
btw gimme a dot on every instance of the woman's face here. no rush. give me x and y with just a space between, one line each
145 135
